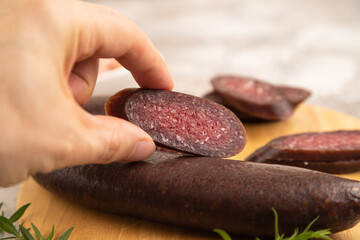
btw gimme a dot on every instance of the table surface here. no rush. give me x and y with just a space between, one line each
314 44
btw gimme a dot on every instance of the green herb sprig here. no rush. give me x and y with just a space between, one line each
21 233
307 234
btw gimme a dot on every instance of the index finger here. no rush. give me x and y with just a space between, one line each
106 33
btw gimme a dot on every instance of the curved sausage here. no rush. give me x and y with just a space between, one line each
207 193
253 97
332 152
294 95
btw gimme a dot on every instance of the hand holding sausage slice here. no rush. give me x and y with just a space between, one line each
48 68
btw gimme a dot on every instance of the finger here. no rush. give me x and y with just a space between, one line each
83 78
118 37
108 64
123 140
108 139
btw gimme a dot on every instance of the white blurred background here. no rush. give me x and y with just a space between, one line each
313 44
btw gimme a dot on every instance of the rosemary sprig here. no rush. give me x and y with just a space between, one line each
21 233
307 234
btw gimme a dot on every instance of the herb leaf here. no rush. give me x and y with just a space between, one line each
51 235
277 236
7 226
26 234
66 234
37 232
222 233
5 238
307 234
2 214
322 234
19 213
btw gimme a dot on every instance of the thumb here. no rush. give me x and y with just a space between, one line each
120 140
108 139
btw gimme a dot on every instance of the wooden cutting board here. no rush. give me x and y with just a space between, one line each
49 209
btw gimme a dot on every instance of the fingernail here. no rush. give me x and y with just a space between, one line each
142 150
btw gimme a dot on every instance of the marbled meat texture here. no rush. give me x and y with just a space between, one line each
253 97
180 121
207 193
293 94
332 152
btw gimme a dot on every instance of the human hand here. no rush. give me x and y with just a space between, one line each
48 68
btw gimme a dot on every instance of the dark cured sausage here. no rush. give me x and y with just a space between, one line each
207 193
180 121
253 97
294 94
216 97
332 152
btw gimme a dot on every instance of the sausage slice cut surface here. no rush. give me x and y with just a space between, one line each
180 121
294 95
254 97
216 97
333 152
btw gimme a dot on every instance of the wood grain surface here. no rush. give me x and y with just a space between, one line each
49 209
